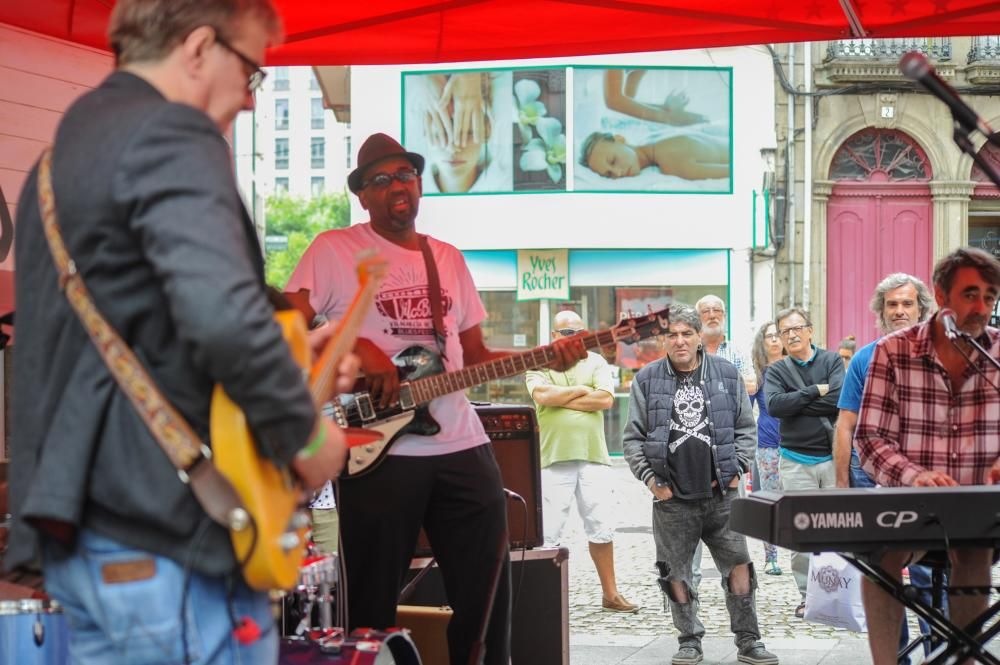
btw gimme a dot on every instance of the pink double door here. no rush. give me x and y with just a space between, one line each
873 229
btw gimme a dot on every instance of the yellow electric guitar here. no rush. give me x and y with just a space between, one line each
270 545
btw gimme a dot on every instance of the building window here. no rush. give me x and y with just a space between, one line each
281 153
318 153
280 186
281 114
316 185
880 154
281 79
347 147
317 113
313 83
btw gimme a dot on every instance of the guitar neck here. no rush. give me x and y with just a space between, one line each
430 387
323 376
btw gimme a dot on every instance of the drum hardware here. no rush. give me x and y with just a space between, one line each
33 631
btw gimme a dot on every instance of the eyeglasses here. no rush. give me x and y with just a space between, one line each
383 180
567 332
712 310
257 75
774 337
794 329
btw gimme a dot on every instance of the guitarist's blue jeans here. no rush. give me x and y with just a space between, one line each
459 500
123 605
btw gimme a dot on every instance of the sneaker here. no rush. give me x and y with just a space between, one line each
771 568
687 656
756 654
800 611
619 604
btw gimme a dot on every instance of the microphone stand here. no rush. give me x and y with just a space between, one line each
963 139
979 347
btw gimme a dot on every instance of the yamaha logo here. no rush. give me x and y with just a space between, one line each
801 521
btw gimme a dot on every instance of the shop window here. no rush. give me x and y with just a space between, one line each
984 233
602 307
510 325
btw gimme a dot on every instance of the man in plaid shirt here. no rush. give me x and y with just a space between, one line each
929 419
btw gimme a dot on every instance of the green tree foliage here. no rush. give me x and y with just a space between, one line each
300 220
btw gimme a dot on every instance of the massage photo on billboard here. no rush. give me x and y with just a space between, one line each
487 131
663 129
502 131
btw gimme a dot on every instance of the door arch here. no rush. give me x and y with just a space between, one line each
879 221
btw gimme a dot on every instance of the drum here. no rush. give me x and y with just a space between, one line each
363 647
33 632
312 596
318 570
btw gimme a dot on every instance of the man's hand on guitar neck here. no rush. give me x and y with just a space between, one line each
569 351
315 467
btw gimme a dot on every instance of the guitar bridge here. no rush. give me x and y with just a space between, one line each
406 397
365 407
339 416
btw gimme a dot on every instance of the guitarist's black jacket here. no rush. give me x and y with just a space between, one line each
151 214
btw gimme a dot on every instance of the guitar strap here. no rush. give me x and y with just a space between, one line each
434 289
181 444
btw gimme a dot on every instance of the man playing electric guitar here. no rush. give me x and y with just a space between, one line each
449 482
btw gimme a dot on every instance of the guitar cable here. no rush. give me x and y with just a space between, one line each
199 536
524 545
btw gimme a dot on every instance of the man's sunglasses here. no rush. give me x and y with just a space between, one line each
383 180
257 75
567 332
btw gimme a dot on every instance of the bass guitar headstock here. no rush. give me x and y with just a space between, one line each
637 328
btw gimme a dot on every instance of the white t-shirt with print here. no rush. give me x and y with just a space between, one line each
401 317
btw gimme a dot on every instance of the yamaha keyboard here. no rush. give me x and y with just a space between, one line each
865 520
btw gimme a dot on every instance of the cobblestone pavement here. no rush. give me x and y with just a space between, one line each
777 596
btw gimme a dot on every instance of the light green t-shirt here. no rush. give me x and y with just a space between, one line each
566 434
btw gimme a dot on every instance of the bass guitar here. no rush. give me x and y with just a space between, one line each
423 378
271 544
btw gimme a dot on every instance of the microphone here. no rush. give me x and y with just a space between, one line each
951 330
916 67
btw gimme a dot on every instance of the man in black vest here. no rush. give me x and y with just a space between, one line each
690 434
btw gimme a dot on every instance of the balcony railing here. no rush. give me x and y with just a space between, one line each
984 49
936 48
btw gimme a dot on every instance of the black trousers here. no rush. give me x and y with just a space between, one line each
459 500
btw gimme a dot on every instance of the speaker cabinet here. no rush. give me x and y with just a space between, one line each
540 593
513 432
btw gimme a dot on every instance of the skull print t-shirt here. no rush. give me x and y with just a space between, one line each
689 458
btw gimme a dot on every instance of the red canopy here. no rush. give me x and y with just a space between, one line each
346 32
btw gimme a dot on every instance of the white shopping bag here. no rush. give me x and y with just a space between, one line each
833 593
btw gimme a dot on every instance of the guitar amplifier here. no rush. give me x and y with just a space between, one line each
539 630
513 431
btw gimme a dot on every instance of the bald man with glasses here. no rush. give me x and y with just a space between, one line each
575 462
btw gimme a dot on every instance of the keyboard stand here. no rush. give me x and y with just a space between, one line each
956 642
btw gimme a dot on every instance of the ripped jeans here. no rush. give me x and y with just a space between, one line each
678 526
